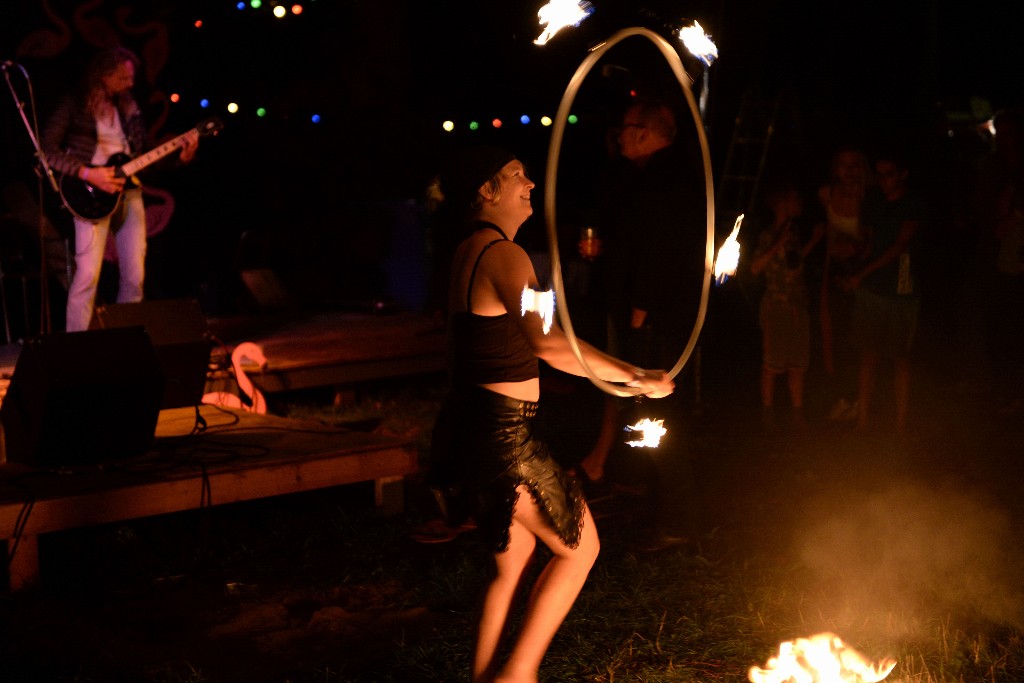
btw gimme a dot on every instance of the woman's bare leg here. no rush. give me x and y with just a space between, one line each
554 592
510 566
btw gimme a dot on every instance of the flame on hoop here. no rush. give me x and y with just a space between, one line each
699 43
541 303
728 254
651 431
558 14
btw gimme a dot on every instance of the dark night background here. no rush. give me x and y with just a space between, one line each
334 210
326 205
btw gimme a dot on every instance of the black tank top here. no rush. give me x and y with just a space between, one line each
489 348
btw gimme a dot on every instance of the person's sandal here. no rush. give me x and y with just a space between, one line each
434 531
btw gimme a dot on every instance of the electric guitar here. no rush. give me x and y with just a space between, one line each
92 204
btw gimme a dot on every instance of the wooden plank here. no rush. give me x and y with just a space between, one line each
321 349
228 485
256 457
240 456
337 348
274 380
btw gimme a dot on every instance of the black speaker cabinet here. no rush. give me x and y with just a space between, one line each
82 398
178 330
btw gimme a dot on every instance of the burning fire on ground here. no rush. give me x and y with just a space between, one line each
823 658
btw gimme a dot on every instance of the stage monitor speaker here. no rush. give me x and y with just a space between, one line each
82 398
178 330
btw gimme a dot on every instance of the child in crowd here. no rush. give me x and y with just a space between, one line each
784 316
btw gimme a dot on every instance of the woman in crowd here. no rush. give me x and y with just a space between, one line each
842 198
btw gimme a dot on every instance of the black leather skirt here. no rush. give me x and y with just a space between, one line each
483 447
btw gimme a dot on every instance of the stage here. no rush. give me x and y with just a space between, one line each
238 456
310 350
241 454
337 349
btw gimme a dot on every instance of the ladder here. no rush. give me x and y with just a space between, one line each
747 155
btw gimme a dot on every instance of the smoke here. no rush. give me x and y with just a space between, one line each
919 549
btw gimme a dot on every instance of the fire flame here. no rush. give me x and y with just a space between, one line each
728 254
558 14
822 658
699 43
652 431
541 303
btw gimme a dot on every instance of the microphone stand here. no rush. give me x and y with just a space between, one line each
47 171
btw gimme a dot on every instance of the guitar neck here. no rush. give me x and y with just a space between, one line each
154 155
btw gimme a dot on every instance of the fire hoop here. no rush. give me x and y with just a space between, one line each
549 200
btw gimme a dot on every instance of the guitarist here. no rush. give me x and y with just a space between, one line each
100 120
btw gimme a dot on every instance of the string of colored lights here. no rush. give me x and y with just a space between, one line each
279 11
450 126
283 10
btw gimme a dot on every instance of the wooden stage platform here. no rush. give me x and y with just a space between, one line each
239 456
247 455
336 348
326 349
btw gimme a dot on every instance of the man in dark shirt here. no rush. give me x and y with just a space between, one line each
652 219
655 231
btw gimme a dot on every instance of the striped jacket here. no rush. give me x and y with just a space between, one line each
69 139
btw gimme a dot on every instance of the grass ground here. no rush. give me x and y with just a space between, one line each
908 548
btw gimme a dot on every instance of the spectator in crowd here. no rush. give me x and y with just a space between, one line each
842 198
784 316
887 285
652 218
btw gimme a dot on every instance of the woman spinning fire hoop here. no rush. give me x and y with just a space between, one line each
487 462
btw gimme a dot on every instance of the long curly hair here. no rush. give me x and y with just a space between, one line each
91 92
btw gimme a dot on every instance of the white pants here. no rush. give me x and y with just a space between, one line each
90 243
